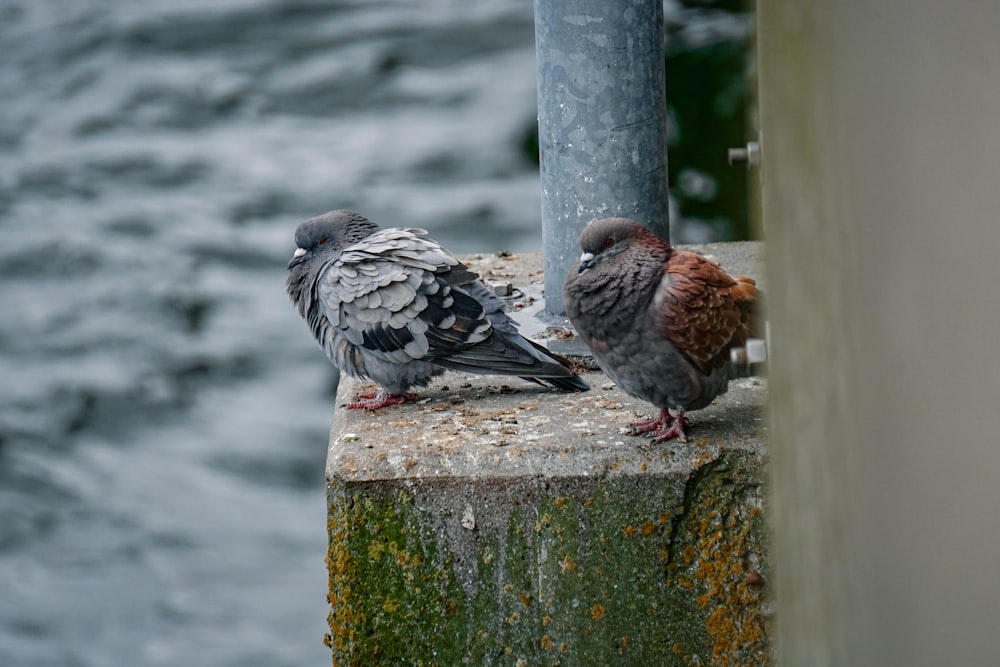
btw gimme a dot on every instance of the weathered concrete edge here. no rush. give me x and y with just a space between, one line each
468 425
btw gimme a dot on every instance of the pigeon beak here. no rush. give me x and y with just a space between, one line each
297 256
586 261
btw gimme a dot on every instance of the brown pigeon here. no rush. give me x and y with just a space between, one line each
394 306
660 321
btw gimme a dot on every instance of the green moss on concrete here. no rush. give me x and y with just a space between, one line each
603 581
393 591
483 645
607 572
512 622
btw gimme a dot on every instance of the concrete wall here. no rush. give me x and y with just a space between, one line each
880 135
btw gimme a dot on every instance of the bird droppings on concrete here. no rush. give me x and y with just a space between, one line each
454 428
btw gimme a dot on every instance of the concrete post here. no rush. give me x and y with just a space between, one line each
495 522
880 128
601 123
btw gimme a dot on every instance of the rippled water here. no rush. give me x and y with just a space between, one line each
163 412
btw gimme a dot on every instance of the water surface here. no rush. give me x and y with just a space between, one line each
163 411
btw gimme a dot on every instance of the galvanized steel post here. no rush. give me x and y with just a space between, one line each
601 123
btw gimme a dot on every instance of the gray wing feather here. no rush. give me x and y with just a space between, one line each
376 294
398 304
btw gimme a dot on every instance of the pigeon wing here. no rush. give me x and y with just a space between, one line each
702 310
391 296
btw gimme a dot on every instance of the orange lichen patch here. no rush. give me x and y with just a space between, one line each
375 550
546 643
561 502
688 555
526 599
597 612
712 563
623 645
546 620
567 563
630 530
648 528
704 457
403 558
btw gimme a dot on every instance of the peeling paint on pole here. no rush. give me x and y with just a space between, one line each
601 123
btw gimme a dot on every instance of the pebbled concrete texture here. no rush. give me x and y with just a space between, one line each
496 522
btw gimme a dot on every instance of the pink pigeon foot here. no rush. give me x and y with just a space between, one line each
661 428
373 400
647 425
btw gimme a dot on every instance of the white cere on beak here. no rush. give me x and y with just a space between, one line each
299 252
586 257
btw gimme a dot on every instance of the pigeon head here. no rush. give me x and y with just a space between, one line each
604 239
328 234
317 241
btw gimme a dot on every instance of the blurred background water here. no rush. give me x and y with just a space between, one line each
163 411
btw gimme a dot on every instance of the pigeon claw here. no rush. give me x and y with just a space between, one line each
675 430
647 425
373 400
661 428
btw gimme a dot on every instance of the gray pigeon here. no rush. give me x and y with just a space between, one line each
660 321
394 306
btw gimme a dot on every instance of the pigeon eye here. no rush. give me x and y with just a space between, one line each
609 243
322 241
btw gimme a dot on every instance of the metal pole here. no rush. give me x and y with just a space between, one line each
601 123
